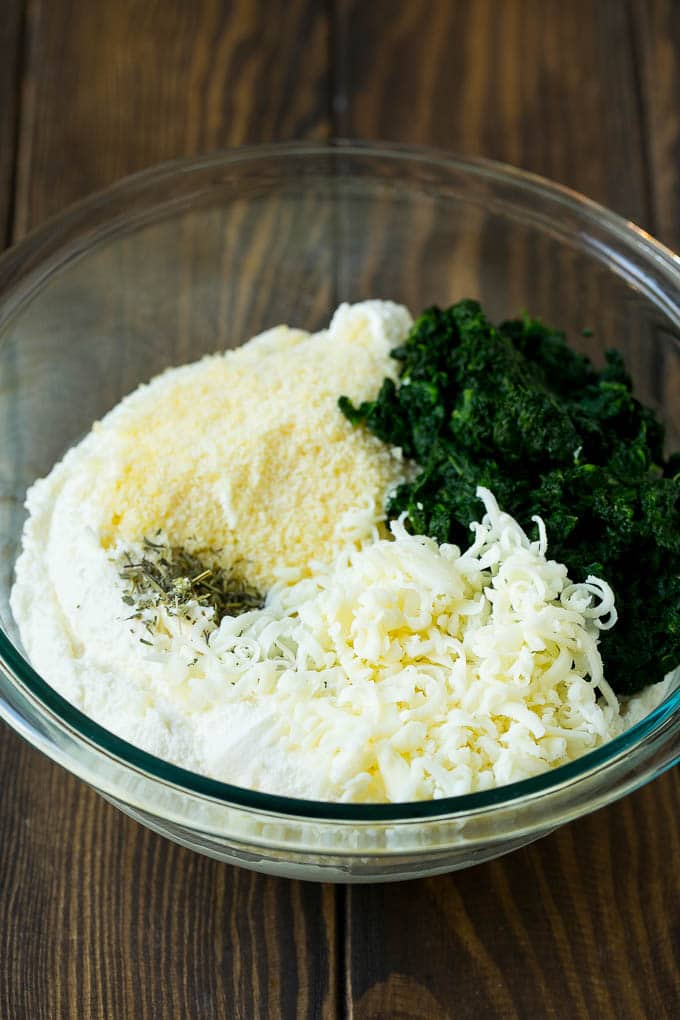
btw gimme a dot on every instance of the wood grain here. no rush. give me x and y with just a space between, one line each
544 85
582 924
587 922
100 918
11 58
656 27
114 87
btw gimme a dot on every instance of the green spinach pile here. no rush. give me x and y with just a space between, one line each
515 409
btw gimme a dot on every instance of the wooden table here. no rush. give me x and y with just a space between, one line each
100 918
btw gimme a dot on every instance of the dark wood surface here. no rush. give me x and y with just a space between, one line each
656 32
11 68
99 917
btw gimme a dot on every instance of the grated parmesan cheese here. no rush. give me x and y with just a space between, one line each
246 452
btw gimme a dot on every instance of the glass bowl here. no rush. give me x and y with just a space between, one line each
195 256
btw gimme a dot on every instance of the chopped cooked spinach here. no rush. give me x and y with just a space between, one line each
513 408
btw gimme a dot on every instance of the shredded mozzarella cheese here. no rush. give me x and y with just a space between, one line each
407 670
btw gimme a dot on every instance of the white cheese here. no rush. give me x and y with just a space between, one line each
381 667
404 671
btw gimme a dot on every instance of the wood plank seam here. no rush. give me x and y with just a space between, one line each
638 62
15 24
25 123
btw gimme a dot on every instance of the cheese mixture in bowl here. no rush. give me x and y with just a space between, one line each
244 607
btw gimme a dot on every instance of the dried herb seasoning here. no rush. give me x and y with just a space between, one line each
168 576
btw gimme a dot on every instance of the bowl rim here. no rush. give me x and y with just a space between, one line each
53 245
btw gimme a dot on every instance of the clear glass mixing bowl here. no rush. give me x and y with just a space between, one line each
196 256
